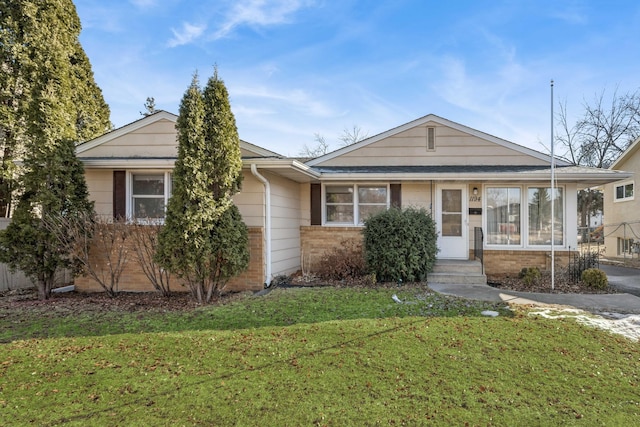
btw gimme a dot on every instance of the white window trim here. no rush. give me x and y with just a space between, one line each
524 217
129 198
485 217
623 199
356 212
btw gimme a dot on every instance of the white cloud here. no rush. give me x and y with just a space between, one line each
297 99
187 34
258 13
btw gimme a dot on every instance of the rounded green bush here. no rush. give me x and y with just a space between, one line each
530 275
400 245
595 278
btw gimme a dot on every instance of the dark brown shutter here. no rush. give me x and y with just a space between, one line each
396 195
316 204
119 194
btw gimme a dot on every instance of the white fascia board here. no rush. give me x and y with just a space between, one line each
128 163
274 164
533 177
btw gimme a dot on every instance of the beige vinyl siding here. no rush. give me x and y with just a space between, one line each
416 195
100 186
155 140
622 211
285 225
250 200
305 205
453 147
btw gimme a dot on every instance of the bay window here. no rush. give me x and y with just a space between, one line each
503 215
353 204
539 201
521 216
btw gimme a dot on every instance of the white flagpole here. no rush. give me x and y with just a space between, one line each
553 194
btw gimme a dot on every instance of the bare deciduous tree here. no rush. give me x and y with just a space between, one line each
597 139
144 239
352 136
318 150
97 247
605 130
348 137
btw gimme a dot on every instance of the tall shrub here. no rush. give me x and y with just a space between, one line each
204 240
400 244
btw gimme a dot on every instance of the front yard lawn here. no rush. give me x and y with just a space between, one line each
389 364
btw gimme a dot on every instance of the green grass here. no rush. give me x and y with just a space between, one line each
284 369
281 307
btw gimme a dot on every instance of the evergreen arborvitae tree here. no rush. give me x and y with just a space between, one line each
39 43
54 103
204 240
54 186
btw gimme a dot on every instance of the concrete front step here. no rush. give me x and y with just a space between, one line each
467 272
451 278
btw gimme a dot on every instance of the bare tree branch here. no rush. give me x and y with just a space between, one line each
352 136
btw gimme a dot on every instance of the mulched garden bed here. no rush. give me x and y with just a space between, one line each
563 284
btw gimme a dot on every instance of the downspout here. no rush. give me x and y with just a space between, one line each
267 223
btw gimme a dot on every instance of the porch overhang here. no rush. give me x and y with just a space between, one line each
585 177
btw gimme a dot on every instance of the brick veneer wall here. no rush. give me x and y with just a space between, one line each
510 262
133 278
315 240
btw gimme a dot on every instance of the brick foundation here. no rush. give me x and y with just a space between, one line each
511 262
315 240
133 278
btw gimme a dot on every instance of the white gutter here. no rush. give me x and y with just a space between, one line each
267 222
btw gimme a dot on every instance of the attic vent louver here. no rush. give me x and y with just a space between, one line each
431 139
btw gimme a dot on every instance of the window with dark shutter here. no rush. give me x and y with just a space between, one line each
119 194
316 204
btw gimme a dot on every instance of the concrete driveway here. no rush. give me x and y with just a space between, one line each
624 279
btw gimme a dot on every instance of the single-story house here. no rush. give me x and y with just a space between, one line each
485 193
622 207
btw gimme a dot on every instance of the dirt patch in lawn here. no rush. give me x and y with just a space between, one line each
100 302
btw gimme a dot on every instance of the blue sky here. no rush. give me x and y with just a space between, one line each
295 68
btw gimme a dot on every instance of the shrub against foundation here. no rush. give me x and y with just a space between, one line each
400 245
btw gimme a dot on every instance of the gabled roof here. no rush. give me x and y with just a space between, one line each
153 118
444 122
131 127
626 154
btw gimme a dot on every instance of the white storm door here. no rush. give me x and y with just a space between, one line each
452 222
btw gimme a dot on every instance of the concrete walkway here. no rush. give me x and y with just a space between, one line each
623 303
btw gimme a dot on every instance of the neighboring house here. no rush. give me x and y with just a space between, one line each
622 207
297 210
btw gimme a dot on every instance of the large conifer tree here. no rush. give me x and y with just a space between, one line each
51 103
39 43
204 240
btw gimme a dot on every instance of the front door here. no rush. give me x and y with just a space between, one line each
452 222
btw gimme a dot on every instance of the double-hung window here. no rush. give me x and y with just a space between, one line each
623 192
149 195
353 204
